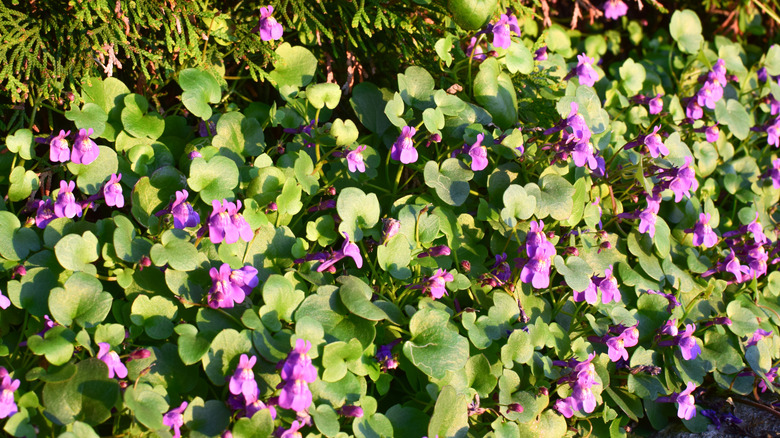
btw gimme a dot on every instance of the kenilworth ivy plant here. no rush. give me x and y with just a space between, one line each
540 239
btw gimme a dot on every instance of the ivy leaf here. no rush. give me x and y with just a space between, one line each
199 89
77 253
494 90
357 211
294 69
81 300
281 299
213 179
322 95
23 184
450 182
154 314
21 142
732 114
435 346
685 28
56 345
135 120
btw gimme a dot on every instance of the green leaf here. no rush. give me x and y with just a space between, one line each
356 296
240 134
336 356
129 246
772 62
199 89
336 320
147 406
518 349
281 300
206 419
90 177
153 193
88 395
632 75
394 111
16 242
82 300
519 59
321 95
395 256
294 69
369 106
31 292
114 334
416 86
305 173
518 205
89 116
685 28
345 132
326 420
628 403
443 47
177 251
496 93
450 414
435 346
357 211
77 253
214 179
575 271
57 345
23 184
734 115
743 321
222 357
449 104
289 201
261 425
21 142
450 182
135 120
434 120
154 314
556 197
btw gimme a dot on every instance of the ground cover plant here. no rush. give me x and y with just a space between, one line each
527 230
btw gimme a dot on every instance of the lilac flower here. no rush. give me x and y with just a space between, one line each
614 9
391 227
762 75
770 377
297 372
535 238
669 327
254 405
654 144
435 251
709 94
245 279
226 290
85 151
757 229
583 155
673 302
502 30
688 346
718 73
648 216
355 159
758 335
66 205
435 285
243 379
585 71
609 287
268 27
774 173
59 152
712 133
575 128
403 149
684 182
478 154
537 270
656 105
220 225
174 419
110 358
733 266
582 379
292 432
112 192
773 133
628 337
540 54
686 407
4 301
351 411
195 154
703 233
242 226
7 389
475 51
590 294
45 213
693 110
348 249
183 214
774 105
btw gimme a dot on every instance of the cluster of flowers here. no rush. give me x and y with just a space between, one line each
7 388
607 285
231 286
582 378
85 151
67 206
748 257
624 337
689 348
710 92
575 141
244 390
540 252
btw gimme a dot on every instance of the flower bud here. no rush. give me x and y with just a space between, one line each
331 191
138 354
351 411
466 266
391 228
515 407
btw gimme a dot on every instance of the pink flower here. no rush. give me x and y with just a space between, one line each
174 419
268 27
85 151
585 71
112 192
59 152
355 160
243 380
478 154
110 358
403 149
614 9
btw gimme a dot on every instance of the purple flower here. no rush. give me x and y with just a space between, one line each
245 278
718 73
614 9
4 301
656 105
629 337
583 155
435 251
298 365
712 133
112 192
673 302
688 346
703 233
59 152
770 377
669 327
45 213
110 358
478 153
540 54
590 294
686 407
174 419
575 128
254 405
774 105
537 270
391 227
85 151
758 335
386 358
762 75
292 432
435 285
585 72
609 288
355 160
535 238
403 149
774 173
242 226
7 389
655 145
773 133
475 51
183 214
226 223
757 230
502 30
66 205
648 216
243 379
268 27
228 289
685 181
709 94
693 110
348 249
351 411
